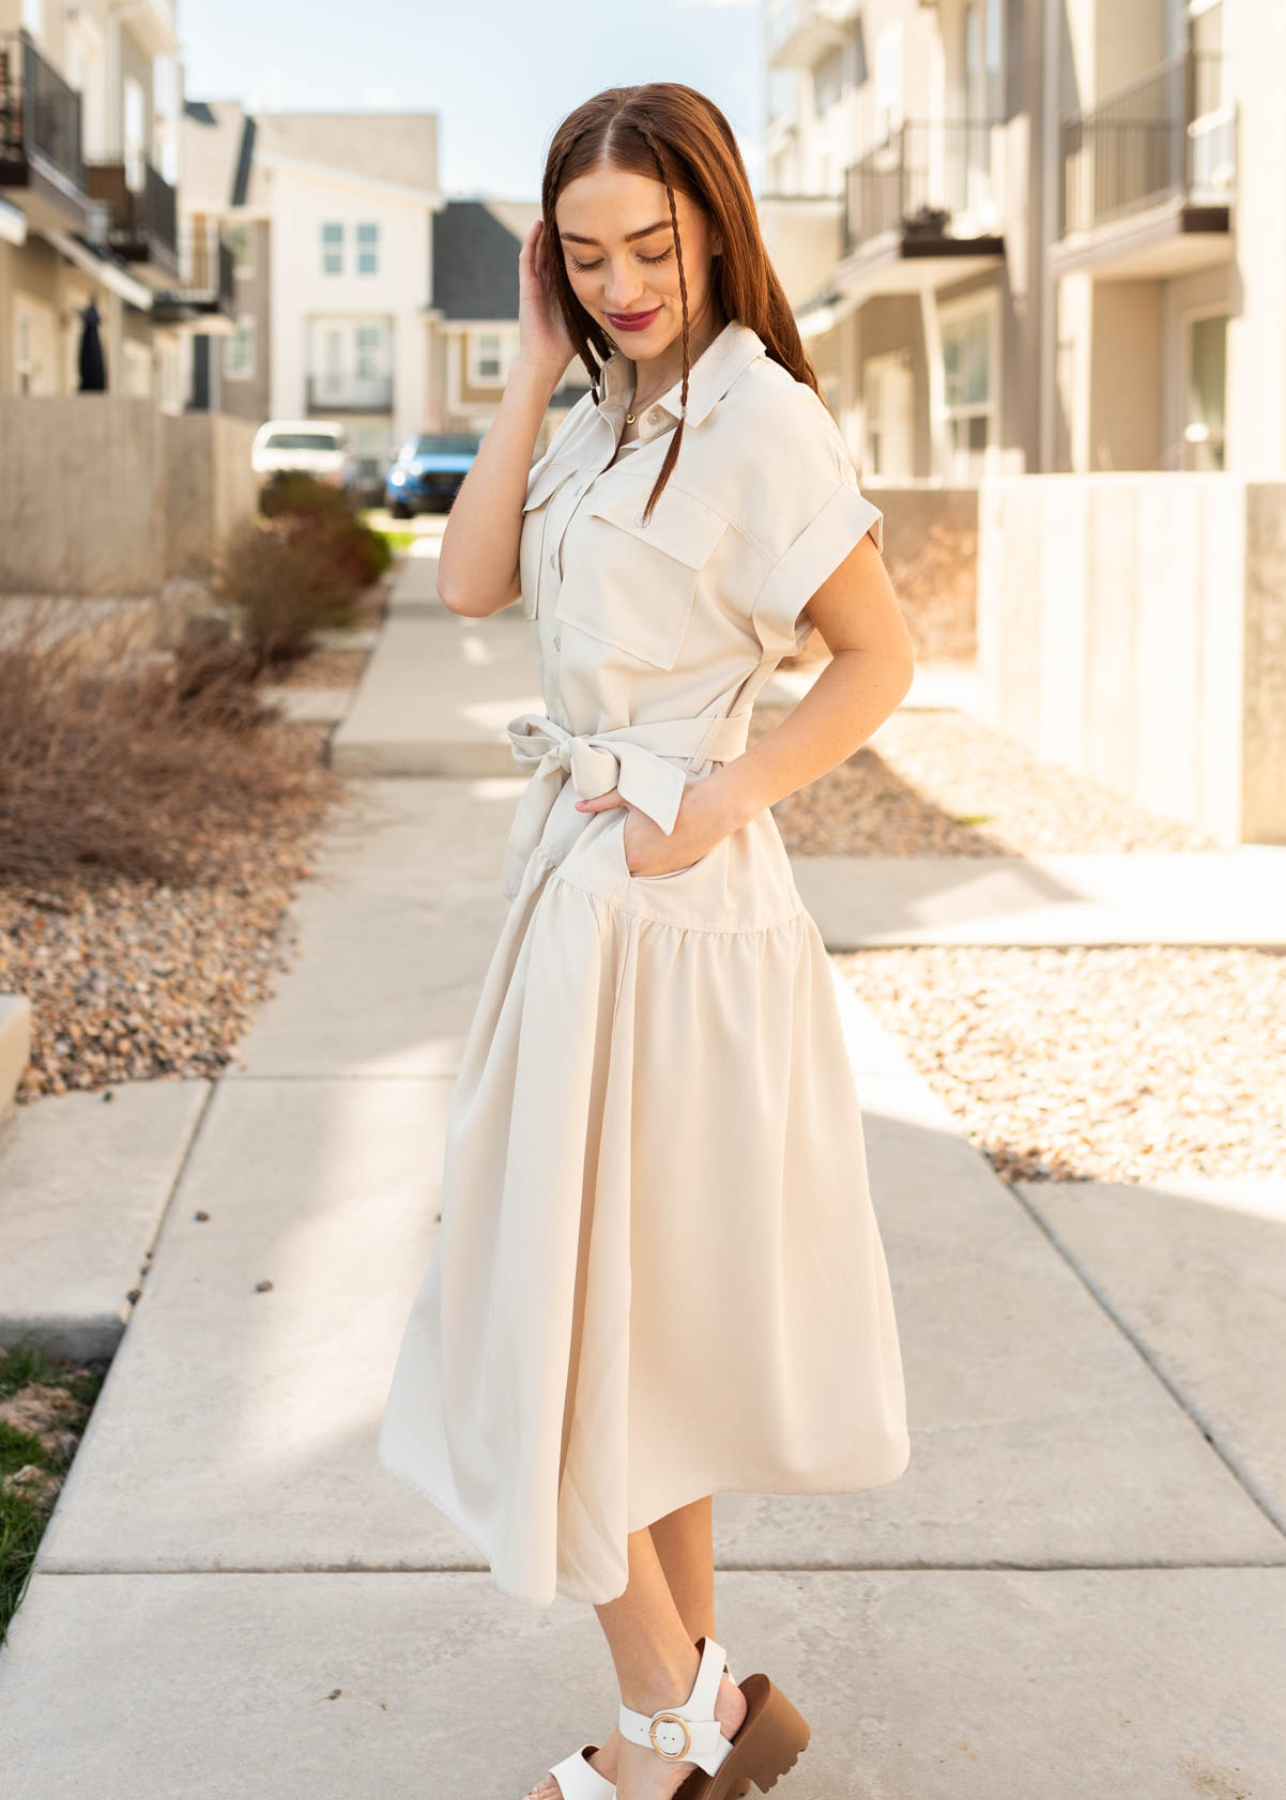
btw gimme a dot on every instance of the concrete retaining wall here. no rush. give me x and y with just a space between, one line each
1133 628
106 496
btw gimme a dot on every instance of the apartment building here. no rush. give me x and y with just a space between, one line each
1036 234
89 146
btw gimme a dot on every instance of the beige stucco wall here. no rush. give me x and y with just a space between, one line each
209 487
102 495
1133 628
81 495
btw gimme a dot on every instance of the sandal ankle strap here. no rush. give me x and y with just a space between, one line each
690 1732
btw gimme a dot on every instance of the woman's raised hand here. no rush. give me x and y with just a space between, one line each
542 335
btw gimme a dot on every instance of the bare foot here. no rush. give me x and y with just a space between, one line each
643 1775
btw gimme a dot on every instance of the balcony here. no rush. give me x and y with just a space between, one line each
800 32
342 393
206 282
40 137
1149 174
138 220
929 186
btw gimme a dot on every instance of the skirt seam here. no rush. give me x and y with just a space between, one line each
634 912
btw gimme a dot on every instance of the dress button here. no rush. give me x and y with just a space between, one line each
553 561
655 414
558 643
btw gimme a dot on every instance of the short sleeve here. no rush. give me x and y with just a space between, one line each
821 515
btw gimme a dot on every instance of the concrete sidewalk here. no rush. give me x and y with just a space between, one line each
1078 1586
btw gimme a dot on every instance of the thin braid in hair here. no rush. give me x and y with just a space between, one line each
672 454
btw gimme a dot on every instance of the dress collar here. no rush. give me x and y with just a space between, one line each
709 379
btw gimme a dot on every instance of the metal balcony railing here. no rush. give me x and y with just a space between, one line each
142 221
1171 134
925 176
40 116
350 393
207 264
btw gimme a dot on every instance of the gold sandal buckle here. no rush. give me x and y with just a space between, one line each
670 1718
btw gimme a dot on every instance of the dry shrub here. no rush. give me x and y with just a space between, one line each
284 582
140 767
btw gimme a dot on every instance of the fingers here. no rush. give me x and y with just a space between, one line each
601 802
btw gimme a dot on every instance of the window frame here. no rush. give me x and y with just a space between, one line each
952 313
244 336
336 249
1188 317
371 250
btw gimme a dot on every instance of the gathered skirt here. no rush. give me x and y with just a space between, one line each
659 1273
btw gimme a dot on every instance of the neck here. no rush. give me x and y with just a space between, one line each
654 374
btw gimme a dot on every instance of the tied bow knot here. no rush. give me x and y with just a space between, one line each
630 758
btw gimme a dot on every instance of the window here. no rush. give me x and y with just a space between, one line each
370 345
332 249
33 16
888 80
135 133
240 239
783 94
368 249
888 400
239 350
828 80
490 353
968 380
1207 365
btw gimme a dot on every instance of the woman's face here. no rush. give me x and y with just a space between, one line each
618 246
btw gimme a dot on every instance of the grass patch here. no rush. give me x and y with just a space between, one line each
45 1403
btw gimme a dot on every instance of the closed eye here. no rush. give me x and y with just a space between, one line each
585 268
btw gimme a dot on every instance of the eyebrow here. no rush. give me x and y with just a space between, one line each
571 237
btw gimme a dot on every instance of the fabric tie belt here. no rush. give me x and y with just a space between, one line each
631 758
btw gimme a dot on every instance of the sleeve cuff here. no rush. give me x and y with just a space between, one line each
816 553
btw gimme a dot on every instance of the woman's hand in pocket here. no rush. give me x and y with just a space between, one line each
701 823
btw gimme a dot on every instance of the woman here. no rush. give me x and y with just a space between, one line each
659 1275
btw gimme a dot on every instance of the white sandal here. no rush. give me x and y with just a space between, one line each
767 1744
579 1780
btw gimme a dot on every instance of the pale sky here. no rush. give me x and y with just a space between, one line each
500 74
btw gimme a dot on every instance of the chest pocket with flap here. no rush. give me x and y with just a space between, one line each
543 481
632 585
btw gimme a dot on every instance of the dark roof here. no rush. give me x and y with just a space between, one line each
475 261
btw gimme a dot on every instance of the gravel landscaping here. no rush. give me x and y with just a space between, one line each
1114 1064
133 980
944 784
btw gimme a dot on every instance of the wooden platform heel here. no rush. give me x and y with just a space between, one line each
767 1745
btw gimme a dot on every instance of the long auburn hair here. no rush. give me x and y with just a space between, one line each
677 135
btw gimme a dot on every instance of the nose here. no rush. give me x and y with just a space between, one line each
621 289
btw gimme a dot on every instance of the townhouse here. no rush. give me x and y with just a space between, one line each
1033 235
361 292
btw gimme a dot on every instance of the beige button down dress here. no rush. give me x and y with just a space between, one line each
659 1274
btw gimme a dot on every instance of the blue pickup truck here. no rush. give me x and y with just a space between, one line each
427 473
